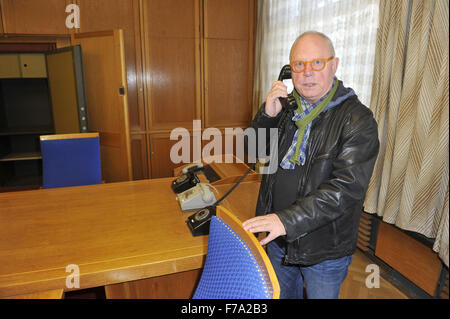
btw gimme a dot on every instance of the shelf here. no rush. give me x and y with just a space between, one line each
21 183
26 131
22 156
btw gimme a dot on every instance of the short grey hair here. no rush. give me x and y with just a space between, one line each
325 37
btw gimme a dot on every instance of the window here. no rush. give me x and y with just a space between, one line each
350 24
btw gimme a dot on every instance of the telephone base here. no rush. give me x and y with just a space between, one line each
199 222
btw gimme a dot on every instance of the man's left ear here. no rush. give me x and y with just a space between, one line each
335 64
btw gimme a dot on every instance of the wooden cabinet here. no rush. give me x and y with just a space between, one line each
86 90
185 60
33 104
32 65
9 66
29 65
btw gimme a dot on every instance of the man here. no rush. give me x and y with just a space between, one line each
311 205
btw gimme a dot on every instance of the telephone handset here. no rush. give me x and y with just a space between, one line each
288 103
187 179
196 197
184 182
192 167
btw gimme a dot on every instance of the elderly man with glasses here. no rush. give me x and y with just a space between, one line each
310 207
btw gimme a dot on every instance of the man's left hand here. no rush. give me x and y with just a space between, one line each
269 223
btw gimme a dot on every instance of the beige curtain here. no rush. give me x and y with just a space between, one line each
409 186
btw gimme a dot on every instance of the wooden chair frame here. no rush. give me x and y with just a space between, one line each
255 247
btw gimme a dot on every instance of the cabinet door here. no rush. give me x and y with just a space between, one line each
160 146
106 95
35 16
9 66
67 91
98 15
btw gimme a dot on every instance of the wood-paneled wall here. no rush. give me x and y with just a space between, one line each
199 68
172 63
185 60
35 16
228 47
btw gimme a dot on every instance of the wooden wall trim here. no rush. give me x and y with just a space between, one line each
107 33
408 256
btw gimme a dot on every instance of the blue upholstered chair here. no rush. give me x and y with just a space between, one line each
70 159
236 265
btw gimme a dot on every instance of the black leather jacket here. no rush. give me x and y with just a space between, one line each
342 148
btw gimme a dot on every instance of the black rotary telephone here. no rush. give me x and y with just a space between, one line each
288 103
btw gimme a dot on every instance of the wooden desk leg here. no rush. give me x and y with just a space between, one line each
174 286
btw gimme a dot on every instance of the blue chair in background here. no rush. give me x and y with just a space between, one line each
236 266
70 160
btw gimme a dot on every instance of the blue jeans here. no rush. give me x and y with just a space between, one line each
322 281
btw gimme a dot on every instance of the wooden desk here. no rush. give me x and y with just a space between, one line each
115 233
50 294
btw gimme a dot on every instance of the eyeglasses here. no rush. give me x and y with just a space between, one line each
316 65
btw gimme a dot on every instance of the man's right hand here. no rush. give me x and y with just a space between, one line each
273 104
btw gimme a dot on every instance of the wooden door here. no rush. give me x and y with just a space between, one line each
107 104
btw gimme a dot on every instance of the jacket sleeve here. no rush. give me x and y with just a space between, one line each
346 184
261 121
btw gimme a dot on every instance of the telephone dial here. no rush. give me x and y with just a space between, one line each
196 197
199 222
288 103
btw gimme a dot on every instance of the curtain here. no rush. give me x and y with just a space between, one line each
409 186
350 24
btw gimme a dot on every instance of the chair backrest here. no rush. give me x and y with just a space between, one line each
236 266
70 159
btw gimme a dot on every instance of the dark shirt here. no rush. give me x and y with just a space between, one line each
284 191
